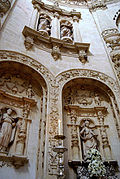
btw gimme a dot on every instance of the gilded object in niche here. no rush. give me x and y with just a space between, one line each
7 132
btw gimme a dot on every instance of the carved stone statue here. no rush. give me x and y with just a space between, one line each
66 31
7 132
56 52
97 99
89 138
44 25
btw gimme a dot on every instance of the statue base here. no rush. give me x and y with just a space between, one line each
15 160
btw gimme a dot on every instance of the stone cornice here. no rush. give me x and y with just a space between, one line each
16 160
93 6
53 8
49 42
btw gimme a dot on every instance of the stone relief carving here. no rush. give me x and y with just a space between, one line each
71 74
83 97
13 84
112 39
28 43
56 52
97 4
7 131
44 25
82 56
88 137
66 31
4 7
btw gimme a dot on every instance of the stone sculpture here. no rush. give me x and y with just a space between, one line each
44 25
7 132
89 138
66 31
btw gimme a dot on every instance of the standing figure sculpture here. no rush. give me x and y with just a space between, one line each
66 31
88 137
8 124
44 24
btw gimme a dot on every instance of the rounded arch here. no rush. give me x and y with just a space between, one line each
39 76
80 102
12 56
69 75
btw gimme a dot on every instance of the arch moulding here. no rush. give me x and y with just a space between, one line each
56 110
28 61
67 76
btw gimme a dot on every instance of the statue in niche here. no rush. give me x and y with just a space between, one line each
88 137
7 129
66 31
44 24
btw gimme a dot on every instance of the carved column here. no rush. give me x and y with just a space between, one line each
74 136
35 16
104 138
55 29
76 30
22 131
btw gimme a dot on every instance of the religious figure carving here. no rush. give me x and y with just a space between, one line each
30 92
89 138
97 99
7 131
44 24
56 52
66 31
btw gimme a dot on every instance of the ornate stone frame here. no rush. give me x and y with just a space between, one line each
7 56
56 110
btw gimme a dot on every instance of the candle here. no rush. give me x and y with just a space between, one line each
59 127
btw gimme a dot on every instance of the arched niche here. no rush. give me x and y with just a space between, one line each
24 91
66 31
44 25
90 120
